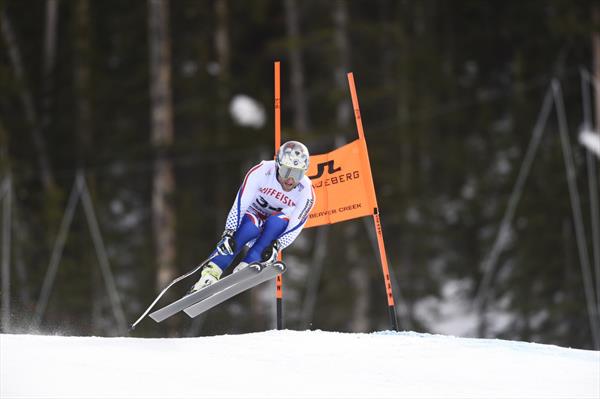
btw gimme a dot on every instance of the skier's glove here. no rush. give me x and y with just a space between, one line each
227 244
269 255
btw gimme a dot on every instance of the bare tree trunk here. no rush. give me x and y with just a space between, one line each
596 66
4 155
359 274
6 230
299 98
222 47
31 116
342 44
403 111
83 80
17 228
48 63
82 75
404 122
163 188
223 50
591 161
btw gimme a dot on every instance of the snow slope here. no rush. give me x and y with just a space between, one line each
293 364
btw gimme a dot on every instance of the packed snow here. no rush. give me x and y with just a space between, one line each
293 364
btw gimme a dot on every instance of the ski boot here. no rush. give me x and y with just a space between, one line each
210 274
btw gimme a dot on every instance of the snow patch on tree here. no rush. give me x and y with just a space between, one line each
246 111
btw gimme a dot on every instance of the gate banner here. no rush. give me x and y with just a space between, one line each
343 185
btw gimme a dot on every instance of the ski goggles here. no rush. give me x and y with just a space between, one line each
285 172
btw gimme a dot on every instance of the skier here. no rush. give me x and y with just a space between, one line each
269 211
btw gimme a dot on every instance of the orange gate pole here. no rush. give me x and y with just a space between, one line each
376 219
279 281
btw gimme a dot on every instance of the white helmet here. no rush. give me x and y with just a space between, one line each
292 160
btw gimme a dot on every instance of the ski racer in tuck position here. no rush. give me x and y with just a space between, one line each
269 212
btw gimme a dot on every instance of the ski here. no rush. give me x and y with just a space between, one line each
199 267
259 274
188 300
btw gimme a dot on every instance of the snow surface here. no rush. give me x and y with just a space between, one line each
293 364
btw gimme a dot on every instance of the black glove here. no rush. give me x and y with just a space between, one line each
227 244
269 255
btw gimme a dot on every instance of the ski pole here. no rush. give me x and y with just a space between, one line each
132 327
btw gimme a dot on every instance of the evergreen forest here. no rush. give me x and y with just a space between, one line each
126 128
